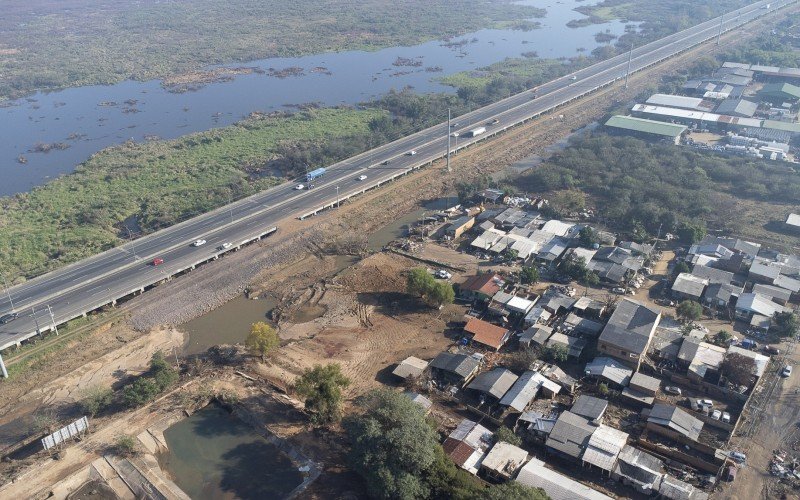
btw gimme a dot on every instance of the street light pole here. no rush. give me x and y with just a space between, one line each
337 196
719 35
52 319
630 58
449 134
133 245
8 292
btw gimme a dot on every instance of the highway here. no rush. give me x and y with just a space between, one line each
86 285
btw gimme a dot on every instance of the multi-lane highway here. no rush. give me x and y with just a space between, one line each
71 291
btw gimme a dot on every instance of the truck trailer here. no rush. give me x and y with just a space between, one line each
476 131
314 174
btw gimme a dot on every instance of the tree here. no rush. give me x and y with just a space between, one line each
162 373
506 435
419 282
689 310
515 490
262 339
96 399
393 447
140 391
721 338
691 232
575 268
125 445
680 267
529 275
322 387
587 237
555 353
511 254
441 294
521 360
738 368
785 324
603 389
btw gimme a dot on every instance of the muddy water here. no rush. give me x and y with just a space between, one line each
227 324
214 455
399 227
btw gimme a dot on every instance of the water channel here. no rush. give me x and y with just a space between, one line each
88 119
214 455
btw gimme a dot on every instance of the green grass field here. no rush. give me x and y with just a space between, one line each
160 182
51 44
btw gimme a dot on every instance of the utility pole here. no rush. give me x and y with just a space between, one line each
52 319
8 292
36 320
719 35
448 140
630 58
337 196
133 245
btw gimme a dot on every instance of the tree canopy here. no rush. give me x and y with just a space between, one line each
322 387
689 310
785 324
420 283
262 339
529 275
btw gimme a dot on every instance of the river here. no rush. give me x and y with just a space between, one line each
87 119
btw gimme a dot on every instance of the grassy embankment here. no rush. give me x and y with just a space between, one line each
159 182
51 45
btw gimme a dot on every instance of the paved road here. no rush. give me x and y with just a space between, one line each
98 280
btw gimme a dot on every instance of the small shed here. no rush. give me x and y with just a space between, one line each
535 335
494 383
411 367
589 407
645 383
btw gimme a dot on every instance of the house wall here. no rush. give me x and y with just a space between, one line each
615 352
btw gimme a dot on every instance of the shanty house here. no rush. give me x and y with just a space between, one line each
493 384
638 469
609 370
459 227
689 286
557 486
570 435
589 407
604 447
628 332
455 369
481 286
410 367
535 335
467 445
674 422
503 461
487 334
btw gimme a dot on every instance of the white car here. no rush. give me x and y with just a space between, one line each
299 187
618 290
412 152
454 134
199 243
362 177
787 371
442 274
726 417
716 414
225 246
573 78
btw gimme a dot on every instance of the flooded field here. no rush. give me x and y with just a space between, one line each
214 455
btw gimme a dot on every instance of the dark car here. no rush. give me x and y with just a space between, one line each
8 318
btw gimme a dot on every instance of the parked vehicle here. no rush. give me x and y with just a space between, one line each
726 417
771 349
749 344
716 414
158 261
199 242
737 457
706 402
671 389
787 371
442 274
618 290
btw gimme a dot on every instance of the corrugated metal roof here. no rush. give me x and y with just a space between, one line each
495 383
679 101
523 391
557 486
604 447
645 126
570 434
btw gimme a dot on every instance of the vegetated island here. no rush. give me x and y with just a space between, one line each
55 45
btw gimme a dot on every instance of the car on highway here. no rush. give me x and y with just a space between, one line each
787 371
199 242
299 187
225 246
8 318
454 125
494 122
573 78
158 261
454 134
362 177
385 162
412 152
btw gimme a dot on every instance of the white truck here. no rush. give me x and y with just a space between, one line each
476 132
